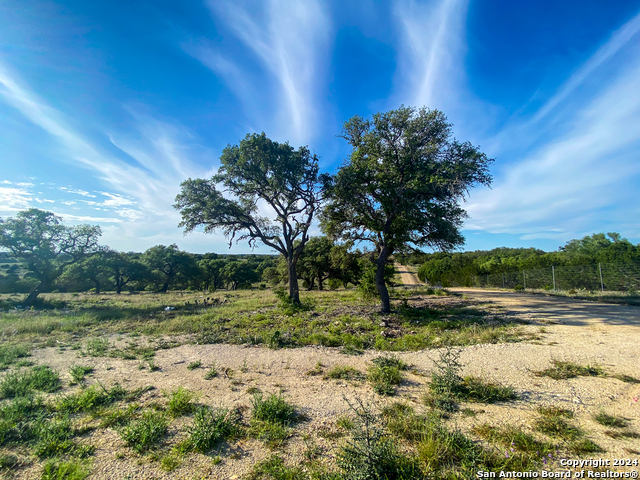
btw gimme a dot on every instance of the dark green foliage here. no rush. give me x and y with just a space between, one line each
40 240
22 383
146 432
258 169
210 427
564 370
20 417
610 421
402 184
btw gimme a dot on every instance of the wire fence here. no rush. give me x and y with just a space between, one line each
603 277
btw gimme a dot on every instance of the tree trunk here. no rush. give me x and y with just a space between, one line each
118 287
164 288
294 293
320 280
97 287
31 298
380 283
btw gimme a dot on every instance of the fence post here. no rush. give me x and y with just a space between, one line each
553 272
524 275
503 281
601 282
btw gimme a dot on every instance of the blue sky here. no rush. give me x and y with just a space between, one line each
105 106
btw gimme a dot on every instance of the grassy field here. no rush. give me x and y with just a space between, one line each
55 424
329 318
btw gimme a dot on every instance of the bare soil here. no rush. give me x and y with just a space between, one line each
569 330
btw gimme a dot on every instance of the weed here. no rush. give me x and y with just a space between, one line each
270 419
564 370
475 389
210 427
211 373
145 433
194 365
20 384
557 427
384 378
216 460
621 434
554 412
273 409
317 370
169 463
180 401
10 353
274 468
345 422
90 399
54 438
393 362
610 421
344 372
370 453
152 366
8 461
97 347
626 378
118 417
583 446
515 437
65 470
78 373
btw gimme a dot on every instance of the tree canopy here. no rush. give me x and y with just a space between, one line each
39 239
259 174
402 184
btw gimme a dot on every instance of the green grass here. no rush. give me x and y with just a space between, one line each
211 373
384 378
344 372
9 354
625 378
54 438
610 420
564 370
90 399
552 411
515 437
78 373
145 433
557 426
271 418
22 383
180 401
210 427
94 317
274 468
65 470
194 365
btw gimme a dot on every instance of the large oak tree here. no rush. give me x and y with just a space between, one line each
40 240
402 185
258 173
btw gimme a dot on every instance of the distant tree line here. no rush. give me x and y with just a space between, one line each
458 268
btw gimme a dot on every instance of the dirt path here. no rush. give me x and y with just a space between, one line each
408 278
568 330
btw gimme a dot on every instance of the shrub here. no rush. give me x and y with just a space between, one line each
384 379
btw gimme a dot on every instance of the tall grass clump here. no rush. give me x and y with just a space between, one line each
271 418
22 383
146 432
210 427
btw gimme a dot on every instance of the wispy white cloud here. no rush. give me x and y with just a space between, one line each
14 199
430 69
582 180
290 40
150 184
